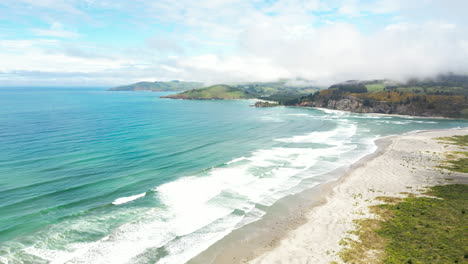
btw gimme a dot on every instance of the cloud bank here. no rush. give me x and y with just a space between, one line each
228 41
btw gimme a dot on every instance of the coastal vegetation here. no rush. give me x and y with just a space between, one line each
219 92
414 230
461 141
159 86
446 96
281 88
456 161
265 104
424 229
428 229
271 91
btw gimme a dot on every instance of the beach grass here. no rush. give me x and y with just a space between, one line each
456 161
456 165
456 140
368 248
430 229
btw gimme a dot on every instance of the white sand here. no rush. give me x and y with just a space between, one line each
407 164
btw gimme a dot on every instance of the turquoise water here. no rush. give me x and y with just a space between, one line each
90 176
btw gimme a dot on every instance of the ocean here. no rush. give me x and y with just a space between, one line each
93 176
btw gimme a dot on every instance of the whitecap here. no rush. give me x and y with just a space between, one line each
298 115
333 137
124 200
199 209
235 160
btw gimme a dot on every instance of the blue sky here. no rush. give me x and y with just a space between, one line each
105 42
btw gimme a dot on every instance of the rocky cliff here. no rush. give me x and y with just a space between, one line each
352 104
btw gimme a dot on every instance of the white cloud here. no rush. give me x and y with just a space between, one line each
213 68
33 55
65 6
244 40
350 8
337 52
55 30
385 6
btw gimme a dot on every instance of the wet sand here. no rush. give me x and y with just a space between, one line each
307 227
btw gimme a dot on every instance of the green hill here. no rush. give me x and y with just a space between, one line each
444 84
281 91
282 87
219 91
159 86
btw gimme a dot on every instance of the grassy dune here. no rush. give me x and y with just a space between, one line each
417 230
456 161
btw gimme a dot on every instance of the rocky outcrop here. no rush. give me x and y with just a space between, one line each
352 104
265 104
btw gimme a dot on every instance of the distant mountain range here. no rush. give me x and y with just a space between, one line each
175 86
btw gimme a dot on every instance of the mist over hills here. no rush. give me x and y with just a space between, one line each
444 95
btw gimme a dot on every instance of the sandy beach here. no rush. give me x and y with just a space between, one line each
308 227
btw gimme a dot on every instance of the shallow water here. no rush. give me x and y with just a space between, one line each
90 176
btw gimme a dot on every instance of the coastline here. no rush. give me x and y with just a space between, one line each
318 108
307 227
381 114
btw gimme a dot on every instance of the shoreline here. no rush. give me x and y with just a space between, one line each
381 114
305 227
283 216
320 108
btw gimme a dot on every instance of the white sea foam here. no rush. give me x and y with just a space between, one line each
252 216
120 246
187 199
183 249
298 115
425 122
235 160
4 260
275 119
127 199
199 210
333 112
405 122
336 136
369 116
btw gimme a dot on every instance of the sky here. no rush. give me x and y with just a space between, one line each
114 42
